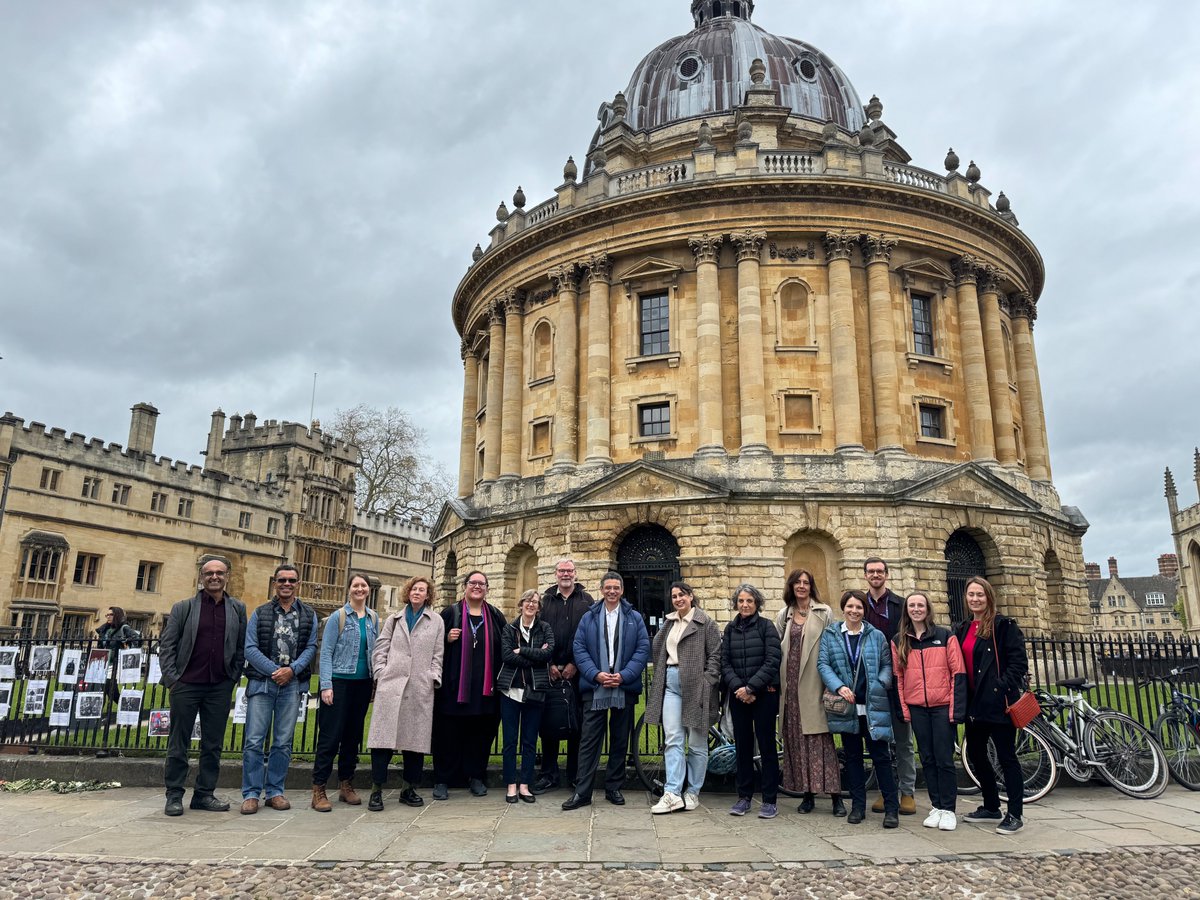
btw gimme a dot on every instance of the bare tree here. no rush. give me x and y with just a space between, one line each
396 477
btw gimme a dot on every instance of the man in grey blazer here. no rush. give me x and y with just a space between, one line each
201 652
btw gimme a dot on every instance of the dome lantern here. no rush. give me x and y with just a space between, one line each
705 11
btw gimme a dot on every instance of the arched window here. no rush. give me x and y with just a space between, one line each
541 352
814 552
520 570
648 560
794 315
964 560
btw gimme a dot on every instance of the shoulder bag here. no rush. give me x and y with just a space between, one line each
1027 708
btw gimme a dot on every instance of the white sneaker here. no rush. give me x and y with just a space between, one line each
667 803
949 820
934 819
690 801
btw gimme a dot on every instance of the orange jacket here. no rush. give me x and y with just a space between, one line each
934 674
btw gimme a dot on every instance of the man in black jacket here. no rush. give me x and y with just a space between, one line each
563 605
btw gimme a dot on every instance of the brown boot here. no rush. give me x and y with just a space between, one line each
319 801
347 795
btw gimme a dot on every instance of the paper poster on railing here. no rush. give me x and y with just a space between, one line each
69 670
303 713
97 667
159 725
6 688
35 698
42 659
60 709
89 705
8 662
129 709
239 707
129 669
154 676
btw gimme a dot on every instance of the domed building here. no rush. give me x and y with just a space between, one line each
746 335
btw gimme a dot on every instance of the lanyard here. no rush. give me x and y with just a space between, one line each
875 608
853 653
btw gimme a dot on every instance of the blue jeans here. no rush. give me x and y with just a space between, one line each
275 708
521 721
674 733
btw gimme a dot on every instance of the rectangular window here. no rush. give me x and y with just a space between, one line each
933 421
360 542
140 624
654 419
87 569
798 413
1154 598
244 520
120 494
158 502
50 479
539 439
922 313
272 525
147 577
404 551
185 508
40 564
655 320
74 626
427 555
91 488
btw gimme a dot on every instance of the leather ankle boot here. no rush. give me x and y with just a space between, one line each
347 794
319 801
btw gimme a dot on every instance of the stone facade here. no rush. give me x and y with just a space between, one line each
1141 607
85 525
751 339
1185 529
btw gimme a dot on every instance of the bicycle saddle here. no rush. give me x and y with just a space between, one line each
1078 683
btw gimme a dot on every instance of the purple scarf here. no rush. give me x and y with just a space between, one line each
464 666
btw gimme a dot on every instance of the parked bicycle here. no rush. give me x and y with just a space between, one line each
1178 730
1122 751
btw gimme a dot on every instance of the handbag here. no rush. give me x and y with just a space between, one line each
560 716
1027 708
834 704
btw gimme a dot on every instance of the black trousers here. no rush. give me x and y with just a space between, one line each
381 758
1004 738
619 723
340 729
461 746
751 722
211 703
935 742
856 773
550 749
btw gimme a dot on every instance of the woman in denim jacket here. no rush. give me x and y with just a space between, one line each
346 645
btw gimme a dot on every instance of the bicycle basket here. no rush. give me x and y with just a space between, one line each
722 760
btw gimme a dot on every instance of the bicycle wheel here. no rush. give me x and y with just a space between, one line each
966 784
1129 757
1182 746
1039 765
648 756
779 753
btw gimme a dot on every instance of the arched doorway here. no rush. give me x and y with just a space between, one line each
964 559
648 560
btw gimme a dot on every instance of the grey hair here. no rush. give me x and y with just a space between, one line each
746 587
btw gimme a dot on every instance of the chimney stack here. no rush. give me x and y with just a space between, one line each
1091 571
1112 567
212 456
141 428
1168 565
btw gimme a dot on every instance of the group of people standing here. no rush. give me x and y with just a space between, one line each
568 667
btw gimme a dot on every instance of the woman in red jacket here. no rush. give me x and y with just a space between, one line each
932 682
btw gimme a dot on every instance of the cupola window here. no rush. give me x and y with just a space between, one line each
806 68
689 67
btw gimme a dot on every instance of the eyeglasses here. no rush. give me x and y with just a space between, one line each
481 584
213 574
286 580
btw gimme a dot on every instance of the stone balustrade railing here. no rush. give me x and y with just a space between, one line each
648 178
914 177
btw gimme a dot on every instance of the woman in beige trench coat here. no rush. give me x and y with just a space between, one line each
408 664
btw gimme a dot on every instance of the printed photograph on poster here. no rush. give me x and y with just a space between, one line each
129 709
196 730
6 690
302 714
160 723
60 709
154 676
8 662
42 659
35 698
129 670
89 705
97 667
69 670
239 707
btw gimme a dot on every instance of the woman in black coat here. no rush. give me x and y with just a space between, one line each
750 656
526 646
994 653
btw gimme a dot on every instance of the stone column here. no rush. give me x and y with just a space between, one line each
847 409
997 368
1037 455
752 387
514 354
565 280
466 448
494 416
885 374
599 365
979 407
710 426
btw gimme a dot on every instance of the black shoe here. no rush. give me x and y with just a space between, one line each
477 787
856 816
410 797
441 792
527 798
891 819
545 783
174 806
807 804
209 803
839 808
616 798
983 814
375 803
1011 825
575 802
510 798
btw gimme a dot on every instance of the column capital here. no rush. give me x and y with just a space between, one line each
496 312
749 244
877 248
706 247
989 279
966 269
470 347
513 301
839 245
598 266
1021 305
564 278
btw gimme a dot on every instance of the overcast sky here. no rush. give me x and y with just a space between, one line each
204 203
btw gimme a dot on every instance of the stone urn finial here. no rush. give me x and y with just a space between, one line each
620 106
745 131
501 212
866 136
599 158
830 131
1002 204
951 160
705 137
519 198
874 109
477 253
973 173
758 71
570 170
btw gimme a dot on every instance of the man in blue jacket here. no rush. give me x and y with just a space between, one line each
612 648
281 641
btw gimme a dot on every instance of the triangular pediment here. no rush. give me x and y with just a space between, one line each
926 268
650 268
449 520
643 482
968 484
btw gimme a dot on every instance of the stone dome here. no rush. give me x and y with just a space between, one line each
706 72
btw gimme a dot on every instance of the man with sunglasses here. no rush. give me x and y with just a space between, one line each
281 641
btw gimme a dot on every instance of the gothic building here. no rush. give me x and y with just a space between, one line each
1185 529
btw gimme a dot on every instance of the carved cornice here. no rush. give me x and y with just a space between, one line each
749 244
564 278
706 248
966 269
514 302
599 267
839 245
877 248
